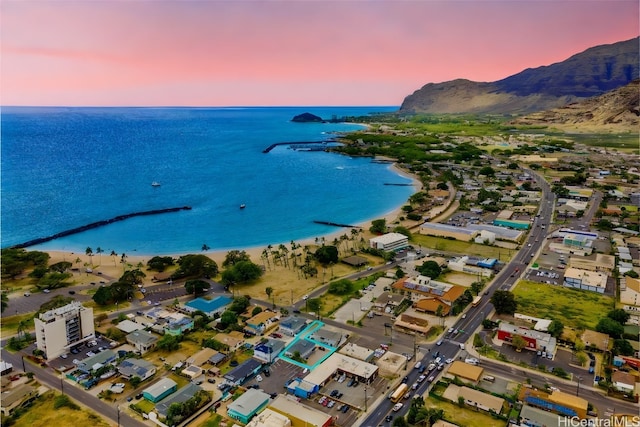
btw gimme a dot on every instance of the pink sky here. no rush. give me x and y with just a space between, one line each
230 53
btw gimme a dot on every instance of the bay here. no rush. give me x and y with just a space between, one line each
66 167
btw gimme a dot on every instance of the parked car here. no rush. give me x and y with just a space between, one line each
259 378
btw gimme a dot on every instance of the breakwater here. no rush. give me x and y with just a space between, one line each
301 145
335 224
98 224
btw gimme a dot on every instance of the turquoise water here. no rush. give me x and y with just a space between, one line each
66 167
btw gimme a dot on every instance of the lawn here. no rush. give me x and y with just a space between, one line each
468 248
574 308
463 416
43 414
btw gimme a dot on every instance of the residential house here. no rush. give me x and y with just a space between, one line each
140 368
424 288
234 339
247 405
180 396
17 397
292 326
161 389
267 351
142 341
262 321
242 372
623 382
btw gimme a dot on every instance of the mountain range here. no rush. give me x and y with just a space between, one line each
593 72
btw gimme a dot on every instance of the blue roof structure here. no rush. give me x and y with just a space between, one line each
209 306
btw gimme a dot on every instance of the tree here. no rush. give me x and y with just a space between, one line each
196 266
314 304
430 269
518 342
169 342
269 291
60 267
235 256
555 328
608 326
623 347
159 263
256 310
326 255
196 286
341 287
619 315
378 226
504 302
487 171
228 318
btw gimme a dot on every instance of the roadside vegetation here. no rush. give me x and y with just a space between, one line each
574 308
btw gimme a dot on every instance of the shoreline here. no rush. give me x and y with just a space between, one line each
108 266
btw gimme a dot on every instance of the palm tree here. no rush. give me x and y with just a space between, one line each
89 253
269 292
99 251
114 255
123 261
265 257
205 247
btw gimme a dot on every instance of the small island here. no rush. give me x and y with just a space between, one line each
307 118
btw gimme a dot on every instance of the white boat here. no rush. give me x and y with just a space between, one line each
155 184
242 206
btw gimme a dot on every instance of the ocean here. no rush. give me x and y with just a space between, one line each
63 168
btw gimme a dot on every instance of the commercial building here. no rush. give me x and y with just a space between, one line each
623 382
269 418
142 341
326 336
337 363
302 348
559 402
512 223
594 281
158 391
465 371
630 298
389 242
208 307
357 352
448 231
249 404
601 262
535 340
300 415
60 329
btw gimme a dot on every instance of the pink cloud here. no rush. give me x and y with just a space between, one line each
285 52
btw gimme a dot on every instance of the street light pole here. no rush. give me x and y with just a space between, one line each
118 409
365 397
62 383
579 378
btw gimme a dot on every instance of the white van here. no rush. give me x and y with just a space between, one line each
461 346
417 365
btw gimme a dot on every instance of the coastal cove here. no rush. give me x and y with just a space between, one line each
63 168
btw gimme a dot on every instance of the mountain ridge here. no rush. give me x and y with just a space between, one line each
590 73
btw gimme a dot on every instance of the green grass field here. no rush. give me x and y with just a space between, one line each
42 414
463 416
574 308
468 248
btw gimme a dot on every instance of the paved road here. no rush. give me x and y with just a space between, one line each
53 381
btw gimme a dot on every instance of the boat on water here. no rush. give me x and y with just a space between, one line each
242 206
155 184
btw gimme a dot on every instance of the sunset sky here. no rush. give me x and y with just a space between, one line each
290 52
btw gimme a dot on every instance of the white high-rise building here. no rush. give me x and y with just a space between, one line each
60 329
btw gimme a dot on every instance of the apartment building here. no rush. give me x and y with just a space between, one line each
60 329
